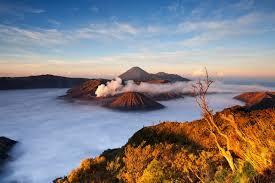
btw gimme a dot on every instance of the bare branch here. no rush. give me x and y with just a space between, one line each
200 92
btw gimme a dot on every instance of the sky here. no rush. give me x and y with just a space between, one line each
103 38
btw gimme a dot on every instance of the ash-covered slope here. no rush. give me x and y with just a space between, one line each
257 100
86 89
134 101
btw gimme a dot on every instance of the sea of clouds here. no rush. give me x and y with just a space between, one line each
55 135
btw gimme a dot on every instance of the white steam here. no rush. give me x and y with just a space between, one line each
111 88
116 87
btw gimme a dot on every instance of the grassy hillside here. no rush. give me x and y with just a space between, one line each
186 152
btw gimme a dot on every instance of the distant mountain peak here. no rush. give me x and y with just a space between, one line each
170 77
135 73
137 69
161 73
138 74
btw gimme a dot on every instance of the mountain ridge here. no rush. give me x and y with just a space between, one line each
39 81
257 100
138 74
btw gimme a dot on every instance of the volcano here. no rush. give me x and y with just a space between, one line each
134 101
85 90
257 100
136 74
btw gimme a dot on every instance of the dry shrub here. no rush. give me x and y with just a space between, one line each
253 148
91 170
168 163
135 161
153 173
200 92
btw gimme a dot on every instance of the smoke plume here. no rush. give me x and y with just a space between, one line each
116 87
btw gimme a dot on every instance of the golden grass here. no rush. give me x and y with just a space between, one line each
186 152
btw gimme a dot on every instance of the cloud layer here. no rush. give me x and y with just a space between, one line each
116 86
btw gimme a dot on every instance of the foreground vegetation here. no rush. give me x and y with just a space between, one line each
188 152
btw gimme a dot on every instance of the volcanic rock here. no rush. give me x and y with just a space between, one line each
257 100
5 145
85 90
134 101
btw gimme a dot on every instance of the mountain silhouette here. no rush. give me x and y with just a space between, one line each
170 77
138 74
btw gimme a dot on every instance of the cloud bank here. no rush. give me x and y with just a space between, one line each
116 86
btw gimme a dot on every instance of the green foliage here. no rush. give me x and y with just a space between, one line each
153 173
245 172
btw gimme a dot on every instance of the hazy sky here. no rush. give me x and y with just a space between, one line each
104 38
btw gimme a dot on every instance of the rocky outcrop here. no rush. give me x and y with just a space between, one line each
134 101
257 100
5 146
41 81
